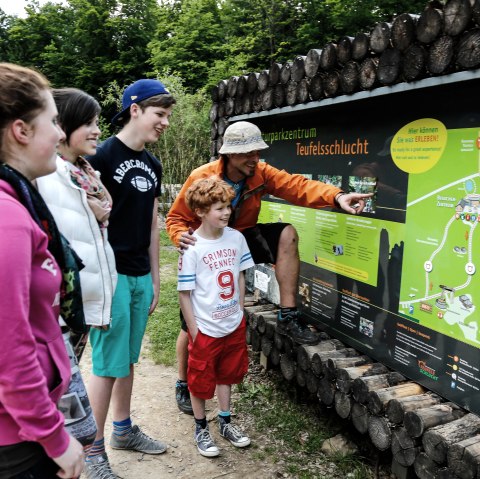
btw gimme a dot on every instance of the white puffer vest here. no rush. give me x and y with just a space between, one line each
76 221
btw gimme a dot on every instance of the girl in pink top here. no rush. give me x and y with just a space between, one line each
34 366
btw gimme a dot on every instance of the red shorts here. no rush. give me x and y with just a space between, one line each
213 361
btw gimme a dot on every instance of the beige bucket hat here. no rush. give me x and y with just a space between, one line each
242 137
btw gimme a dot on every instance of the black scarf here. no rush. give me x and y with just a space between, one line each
71 306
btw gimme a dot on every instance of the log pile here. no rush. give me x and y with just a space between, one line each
426 435
443 39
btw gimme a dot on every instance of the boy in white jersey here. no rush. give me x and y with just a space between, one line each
211 289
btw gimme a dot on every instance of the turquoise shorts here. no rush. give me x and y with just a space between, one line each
114 350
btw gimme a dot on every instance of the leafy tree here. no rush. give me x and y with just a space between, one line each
191 42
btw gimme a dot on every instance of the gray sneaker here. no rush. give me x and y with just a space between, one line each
205 445
98 467
138 441
234 434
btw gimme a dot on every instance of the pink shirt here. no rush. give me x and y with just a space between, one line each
34 365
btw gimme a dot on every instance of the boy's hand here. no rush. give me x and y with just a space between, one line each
186 239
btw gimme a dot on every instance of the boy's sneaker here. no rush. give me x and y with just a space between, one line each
205 445
98 467
293 326
138 441
234 434
182 395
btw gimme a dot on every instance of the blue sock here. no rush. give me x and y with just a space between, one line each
98 447
122 428
224 416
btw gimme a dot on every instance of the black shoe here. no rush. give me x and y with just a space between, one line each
182 394
293 327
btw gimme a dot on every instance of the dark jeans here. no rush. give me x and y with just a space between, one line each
26 460
45 469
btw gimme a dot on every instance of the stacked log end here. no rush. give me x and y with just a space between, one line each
442 39
426 435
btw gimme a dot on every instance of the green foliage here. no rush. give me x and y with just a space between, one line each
164 323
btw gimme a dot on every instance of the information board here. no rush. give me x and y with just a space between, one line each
398 282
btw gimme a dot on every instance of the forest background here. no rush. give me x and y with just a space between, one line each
101 46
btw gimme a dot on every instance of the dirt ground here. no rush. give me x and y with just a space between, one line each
154 409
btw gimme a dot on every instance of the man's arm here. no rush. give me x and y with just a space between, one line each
353 203
187 310
180 218
311 193
154 255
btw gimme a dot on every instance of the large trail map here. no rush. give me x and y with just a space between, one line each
439 288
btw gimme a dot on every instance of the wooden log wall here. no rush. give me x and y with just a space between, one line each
427 436
443 39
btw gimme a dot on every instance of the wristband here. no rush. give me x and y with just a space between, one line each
338 195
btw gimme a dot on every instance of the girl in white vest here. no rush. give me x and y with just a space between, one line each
81 206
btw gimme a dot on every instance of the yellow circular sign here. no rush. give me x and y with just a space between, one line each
417 146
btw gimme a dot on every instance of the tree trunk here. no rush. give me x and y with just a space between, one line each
285 73
291 93
274 73
397 408
413 65
213 115
229 106
344 50
256 340
287 366
302 91
343 404
257 96
367 75
275 356
378 400
297 70
278 341
438 439
360 417
360 45
429 25
389 65
404 447
326 392
232 86
339 363
349 77
267 99
468 49
221 109
380 37
417 422
301 377
380 432
440 55
263 317
362 386
214 130
312 62
424 467
238 108
319 358
464 458
263 80
252 82
222 125
457 14
304 356
476 11
315 88
266 345
346 376
241 86
403 31
222 89
328 57
312 381
279 95
331 83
